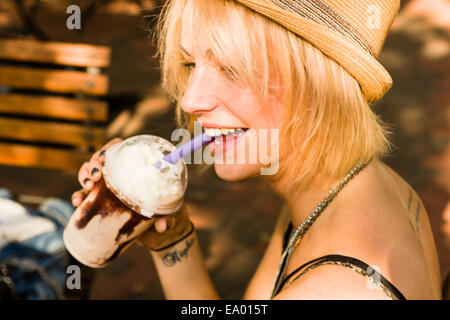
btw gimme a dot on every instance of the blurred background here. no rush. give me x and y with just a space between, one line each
121 96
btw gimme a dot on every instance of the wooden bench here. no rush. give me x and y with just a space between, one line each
52 103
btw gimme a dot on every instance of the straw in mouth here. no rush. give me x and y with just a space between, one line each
186 149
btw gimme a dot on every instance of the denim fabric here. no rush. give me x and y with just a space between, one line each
35 275
36 267
59 212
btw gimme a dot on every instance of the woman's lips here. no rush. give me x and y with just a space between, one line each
224 141
218 126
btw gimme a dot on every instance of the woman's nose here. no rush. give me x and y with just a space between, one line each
199 96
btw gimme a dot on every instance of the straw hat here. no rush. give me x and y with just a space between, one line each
351 32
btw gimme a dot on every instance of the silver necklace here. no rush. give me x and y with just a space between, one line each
306 224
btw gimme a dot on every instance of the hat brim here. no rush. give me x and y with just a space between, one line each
373 78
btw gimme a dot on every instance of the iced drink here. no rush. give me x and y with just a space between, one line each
122 204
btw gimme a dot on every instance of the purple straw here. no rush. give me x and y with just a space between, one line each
187 148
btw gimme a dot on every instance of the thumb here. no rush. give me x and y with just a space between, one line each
161 225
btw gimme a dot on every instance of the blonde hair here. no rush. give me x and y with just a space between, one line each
328 122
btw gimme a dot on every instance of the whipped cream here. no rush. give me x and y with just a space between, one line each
130 170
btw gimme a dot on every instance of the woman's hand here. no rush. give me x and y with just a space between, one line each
165 230
91 172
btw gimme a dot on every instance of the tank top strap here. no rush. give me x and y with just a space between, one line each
348 262
344 261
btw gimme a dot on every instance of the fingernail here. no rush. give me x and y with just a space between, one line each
86 181
94 171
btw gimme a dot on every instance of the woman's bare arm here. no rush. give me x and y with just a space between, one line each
182 271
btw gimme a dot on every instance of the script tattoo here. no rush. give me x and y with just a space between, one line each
176 255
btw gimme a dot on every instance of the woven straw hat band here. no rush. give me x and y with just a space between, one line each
351 32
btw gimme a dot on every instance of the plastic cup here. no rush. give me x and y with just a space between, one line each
122 205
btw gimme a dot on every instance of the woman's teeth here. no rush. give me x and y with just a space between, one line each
219 132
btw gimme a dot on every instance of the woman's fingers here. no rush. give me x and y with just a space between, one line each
101 152
94 169
98 159
167 229
165 223
84 177
161 225
78 197
90 172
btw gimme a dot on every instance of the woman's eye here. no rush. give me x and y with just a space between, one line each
189 65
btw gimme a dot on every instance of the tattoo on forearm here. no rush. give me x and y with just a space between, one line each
175 256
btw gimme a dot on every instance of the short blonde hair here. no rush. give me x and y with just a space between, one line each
328 122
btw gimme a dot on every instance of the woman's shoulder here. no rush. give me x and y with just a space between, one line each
384 224
382 206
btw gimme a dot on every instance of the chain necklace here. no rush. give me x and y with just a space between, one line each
306 224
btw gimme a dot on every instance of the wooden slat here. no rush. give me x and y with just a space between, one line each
65 81
53 107
70 54
51 132
49 158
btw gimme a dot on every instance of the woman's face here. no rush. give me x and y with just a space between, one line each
220 103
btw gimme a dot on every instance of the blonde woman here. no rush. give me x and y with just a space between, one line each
351 227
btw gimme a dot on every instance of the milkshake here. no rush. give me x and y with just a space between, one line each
121 206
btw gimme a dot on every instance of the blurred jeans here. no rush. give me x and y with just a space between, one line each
33 258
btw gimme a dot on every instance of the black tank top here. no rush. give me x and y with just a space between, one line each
345 261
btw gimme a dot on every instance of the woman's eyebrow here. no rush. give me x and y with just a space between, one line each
209 53
185 52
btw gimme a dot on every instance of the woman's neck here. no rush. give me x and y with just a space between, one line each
302 202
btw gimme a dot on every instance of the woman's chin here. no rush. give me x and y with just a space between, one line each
236 172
